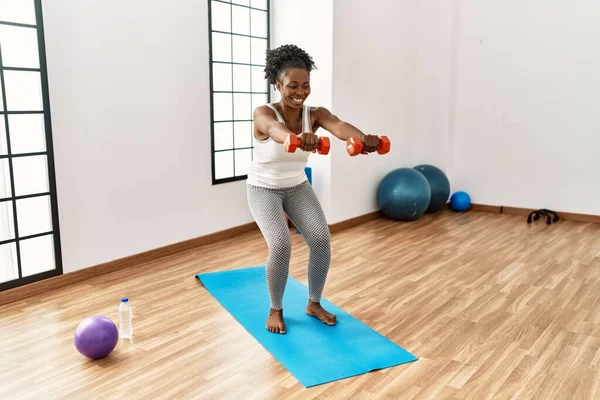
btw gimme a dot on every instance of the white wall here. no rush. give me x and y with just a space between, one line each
436 35
499 94
523 110
316 41
129 94
374 89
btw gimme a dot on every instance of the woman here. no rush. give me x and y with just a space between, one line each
277 183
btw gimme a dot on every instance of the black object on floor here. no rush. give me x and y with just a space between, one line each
551 216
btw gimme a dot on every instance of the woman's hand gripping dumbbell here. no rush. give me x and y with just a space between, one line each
368 144
307 142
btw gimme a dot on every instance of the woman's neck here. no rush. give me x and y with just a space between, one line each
290 114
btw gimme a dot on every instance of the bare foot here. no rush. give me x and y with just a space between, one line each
275 322
319 312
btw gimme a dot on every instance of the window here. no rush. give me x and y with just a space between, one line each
29 237
239 39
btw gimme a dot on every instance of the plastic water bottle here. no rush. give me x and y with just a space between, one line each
125 319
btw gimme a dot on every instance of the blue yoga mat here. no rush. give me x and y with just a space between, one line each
313 352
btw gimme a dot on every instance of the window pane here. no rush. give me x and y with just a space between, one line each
241 20
8 262
27 134
37 255
5 189
248 84
21 11
222 77
241 49
242 106
241 78
242 161
243 134
221 47
34 216
3 142
223 135
19 46
222 107
259 51
259 23
258 100
259 83
31 175
23 91
7 222
221 16
262 4
224 164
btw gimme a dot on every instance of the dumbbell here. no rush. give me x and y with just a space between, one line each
292 142
354 145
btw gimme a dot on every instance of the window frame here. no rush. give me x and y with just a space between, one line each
211 62
49 153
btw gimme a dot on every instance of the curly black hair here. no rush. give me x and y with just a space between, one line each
286 56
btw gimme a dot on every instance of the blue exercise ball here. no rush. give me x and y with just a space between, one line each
460 201
439 184
404 194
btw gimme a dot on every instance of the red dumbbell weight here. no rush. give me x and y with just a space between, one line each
354 145
292 142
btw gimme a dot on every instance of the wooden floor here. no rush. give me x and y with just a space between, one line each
492 306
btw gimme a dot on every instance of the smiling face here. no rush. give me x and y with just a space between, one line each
294 86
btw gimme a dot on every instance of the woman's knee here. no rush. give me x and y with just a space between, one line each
319 238
280 247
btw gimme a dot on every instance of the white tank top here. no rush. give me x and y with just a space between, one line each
272 166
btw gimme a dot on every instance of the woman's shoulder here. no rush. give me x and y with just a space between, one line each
265 109
319 111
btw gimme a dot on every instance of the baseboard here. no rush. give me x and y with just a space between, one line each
564 216
22 292
354 221
482 208
486 208
57 282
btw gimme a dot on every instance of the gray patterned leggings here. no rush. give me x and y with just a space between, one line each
300 203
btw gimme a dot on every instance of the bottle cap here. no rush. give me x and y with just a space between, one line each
125 300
